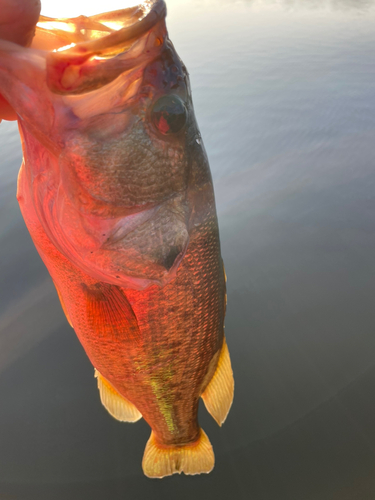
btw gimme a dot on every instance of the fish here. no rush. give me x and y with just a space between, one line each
116 192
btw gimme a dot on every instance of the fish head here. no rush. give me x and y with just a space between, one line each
126 143
117 201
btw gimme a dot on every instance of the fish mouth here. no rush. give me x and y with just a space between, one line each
98 48
104 32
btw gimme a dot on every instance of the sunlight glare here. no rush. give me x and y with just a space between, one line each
69 27
65 47
113 25
74 8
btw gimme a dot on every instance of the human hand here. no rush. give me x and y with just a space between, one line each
17 24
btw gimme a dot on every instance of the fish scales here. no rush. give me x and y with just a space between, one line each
116 192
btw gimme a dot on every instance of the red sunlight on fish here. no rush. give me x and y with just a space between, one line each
116 192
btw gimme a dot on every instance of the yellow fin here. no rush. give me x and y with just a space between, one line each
163 460
119 407
218 395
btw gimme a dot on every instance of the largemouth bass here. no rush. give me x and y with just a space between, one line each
116 192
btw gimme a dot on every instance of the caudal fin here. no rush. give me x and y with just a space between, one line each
162 460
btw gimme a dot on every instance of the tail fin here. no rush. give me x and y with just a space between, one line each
163 460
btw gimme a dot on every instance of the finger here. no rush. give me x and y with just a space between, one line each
18 19
17 24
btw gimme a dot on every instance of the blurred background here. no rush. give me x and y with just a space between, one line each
284 95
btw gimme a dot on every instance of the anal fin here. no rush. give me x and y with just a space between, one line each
164 460
120 408
218 395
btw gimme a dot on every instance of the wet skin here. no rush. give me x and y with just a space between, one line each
117 194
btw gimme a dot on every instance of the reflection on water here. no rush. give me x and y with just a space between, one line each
284 97
360 5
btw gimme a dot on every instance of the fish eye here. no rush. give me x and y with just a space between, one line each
169 114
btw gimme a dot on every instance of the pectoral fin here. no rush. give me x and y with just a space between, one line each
110 314
116 405
218 395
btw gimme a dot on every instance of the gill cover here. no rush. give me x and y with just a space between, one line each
107 125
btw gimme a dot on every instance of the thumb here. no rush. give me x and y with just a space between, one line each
17 24
18 19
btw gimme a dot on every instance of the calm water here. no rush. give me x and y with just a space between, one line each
285 97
